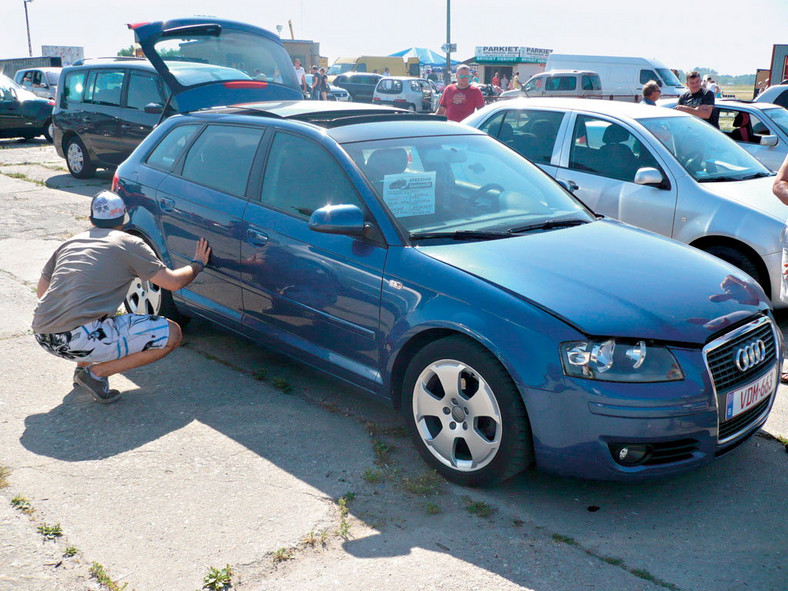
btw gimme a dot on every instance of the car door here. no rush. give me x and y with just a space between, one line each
10 108
746 128
143 89
599 161
206 197
315 293
100 120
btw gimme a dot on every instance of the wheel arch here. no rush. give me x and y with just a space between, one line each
706 242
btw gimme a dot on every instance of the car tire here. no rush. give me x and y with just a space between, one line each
411 107
48 130
144 297
742 261
480 408
79 163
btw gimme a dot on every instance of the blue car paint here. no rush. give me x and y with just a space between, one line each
519 297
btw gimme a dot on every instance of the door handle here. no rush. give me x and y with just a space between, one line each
166 204
256 238
572 186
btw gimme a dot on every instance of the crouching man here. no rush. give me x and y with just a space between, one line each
83 284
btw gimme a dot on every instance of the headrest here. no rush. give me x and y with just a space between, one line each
387 161
615 134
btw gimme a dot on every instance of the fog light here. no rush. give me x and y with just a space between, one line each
629 454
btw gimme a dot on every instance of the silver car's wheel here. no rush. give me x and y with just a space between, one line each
457 415
465 414
143 297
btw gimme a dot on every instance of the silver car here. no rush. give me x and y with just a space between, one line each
659 169
759 128
40 81
416 94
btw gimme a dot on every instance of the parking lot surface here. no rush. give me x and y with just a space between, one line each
227 454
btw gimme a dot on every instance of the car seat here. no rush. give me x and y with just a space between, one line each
742 131
384 162
544 131
616 158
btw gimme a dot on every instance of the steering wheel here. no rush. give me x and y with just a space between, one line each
694 163
482 191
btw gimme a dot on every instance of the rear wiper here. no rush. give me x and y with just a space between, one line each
460 235
547 225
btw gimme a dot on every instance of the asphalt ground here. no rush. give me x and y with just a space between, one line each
227 454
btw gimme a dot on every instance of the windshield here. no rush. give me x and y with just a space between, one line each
706 153
196 57
779 117
337 69
460 184
668 77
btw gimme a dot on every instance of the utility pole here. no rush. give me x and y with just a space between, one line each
447 73
27 26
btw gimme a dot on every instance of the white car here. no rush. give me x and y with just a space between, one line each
40 81
662 170
777 94
415 94
760 128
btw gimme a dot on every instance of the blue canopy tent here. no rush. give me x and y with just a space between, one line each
426 57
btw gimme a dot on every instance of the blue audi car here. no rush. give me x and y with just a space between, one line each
432 266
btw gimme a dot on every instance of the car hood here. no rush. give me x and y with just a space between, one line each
754 193
608 279
208 62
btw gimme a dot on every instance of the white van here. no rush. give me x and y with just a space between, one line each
622 77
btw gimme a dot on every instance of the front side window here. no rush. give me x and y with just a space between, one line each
607 149
301 176
649 75
457 183
169 149
144 89
221 158
105 88
705 153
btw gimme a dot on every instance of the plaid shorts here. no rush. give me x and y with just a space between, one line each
108 339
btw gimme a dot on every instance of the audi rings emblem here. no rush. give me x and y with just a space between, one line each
750 355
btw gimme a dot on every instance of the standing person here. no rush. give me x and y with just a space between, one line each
386 72
315 90
780 190
504 83
496 80
711 86
300 74
651 92
323 84
516 84
698 101
81 287
460 99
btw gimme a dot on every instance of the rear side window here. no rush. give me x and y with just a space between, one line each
169 149
591 82
561 83
221 158
105 87
531 133
144 88
73 89
389 86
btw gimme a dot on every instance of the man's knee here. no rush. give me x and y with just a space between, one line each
176 336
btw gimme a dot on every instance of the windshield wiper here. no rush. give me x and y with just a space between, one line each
547 225
725 179
757 175
460 235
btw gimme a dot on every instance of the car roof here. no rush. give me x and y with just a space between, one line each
746 104
603 107
42 69
771 91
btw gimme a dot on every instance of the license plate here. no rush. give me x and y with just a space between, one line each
738 401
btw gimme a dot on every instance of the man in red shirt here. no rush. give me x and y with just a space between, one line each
460 99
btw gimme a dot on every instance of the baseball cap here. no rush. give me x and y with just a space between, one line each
107 210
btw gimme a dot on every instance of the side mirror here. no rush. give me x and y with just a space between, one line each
154 108
768 140
648 176
338 219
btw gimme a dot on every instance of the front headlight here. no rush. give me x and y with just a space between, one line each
619 361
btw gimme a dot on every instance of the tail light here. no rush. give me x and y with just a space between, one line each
115 182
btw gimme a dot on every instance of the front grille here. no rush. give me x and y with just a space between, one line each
721 358
671 451
740 422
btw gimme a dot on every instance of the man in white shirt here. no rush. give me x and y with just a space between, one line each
300 74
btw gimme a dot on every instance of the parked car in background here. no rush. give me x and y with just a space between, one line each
777 94
22 113
563 83
40 81
414 94
106 107
368 242
760 128
659 169
360 85
335 93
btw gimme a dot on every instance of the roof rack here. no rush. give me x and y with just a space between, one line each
116 58
339 118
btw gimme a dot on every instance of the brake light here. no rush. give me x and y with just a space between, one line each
133 26
245 84
51 103
115 182
376 99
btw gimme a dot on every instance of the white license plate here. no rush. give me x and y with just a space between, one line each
738 401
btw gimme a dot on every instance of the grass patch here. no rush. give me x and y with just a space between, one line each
98 572
344 525
282 555
329 405
283 385
564 539
642 573
22 504
311 540
612 560
372 476
218 579
479 508
23 177
4 474
428 484
398 431
261 374
432 509
50 532
382 451
70 551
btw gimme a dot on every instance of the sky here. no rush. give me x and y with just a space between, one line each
732 37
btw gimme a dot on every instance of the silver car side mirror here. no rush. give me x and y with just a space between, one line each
648 176
768 140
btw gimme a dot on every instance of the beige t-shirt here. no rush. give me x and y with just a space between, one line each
89 276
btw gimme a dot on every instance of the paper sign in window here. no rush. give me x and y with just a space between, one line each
409 193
